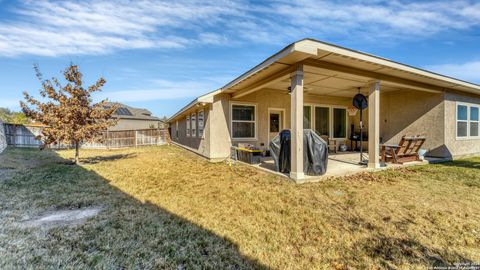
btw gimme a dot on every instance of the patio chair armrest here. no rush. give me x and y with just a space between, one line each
390 145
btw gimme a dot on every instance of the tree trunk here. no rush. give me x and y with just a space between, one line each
77 150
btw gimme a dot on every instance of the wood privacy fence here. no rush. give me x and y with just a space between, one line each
27 136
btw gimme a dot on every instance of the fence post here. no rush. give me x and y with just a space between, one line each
136 138
107 139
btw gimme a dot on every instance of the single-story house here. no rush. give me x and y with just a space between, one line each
310 84
130 118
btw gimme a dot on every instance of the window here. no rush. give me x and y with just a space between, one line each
307 117
339 123
188 126
200 123
467 121
243 121
322 120
194 124
473 121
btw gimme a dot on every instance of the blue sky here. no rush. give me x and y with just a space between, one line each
161 54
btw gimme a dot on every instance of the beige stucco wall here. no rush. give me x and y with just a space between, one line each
200 145
412 113
218 127
458 147
132 124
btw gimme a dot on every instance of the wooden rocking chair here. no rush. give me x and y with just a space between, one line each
405 151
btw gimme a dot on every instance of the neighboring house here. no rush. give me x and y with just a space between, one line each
130 118
310 84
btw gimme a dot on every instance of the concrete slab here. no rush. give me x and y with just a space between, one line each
339 164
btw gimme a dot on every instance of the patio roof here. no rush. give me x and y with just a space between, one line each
331 69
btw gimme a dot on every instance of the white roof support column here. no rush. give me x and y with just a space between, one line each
374 126
296 158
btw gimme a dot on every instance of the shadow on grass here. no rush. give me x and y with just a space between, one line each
463 163
127 234
392 251
97 159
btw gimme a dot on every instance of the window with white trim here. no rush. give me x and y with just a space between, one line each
194 124
200 123
188 126
243 121
467 120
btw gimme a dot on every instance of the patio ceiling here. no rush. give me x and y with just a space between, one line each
336 71
317 81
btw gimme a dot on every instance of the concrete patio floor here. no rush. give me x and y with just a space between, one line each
339 164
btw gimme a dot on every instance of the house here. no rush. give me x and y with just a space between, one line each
310 84
130 118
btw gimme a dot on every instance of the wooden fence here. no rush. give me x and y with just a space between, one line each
27 136
130 138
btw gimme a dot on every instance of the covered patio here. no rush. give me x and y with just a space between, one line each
316 94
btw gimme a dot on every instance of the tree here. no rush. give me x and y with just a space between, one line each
12 117
69 113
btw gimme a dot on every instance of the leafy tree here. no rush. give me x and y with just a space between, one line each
12 117
69 113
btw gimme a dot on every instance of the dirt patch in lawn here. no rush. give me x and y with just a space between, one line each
62 217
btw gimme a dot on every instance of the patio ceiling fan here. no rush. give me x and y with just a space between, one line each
361 103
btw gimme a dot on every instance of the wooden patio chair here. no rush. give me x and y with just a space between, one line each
405 151
330 143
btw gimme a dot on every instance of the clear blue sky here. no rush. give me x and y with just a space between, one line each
160 55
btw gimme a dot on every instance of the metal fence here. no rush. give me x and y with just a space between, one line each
28 136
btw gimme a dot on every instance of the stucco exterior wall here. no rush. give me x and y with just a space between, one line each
218 127
458 147
414 113
132 124
200 145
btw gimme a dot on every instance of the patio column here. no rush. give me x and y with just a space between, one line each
296 155
374 125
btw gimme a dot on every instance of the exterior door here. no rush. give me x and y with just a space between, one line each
275 123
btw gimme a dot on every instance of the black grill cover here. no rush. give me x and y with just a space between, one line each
315 152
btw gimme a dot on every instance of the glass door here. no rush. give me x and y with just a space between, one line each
322 121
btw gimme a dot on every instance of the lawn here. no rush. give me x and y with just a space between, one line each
164 207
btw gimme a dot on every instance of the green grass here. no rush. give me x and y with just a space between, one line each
164 207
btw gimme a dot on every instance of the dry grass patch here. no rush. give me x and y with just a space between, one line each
165 207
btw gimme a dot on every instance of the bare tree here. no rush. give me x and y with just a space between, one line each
69 113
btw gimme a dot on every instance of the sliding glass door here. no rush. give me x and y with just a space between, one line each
327 120
307 117
339 123
322 121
